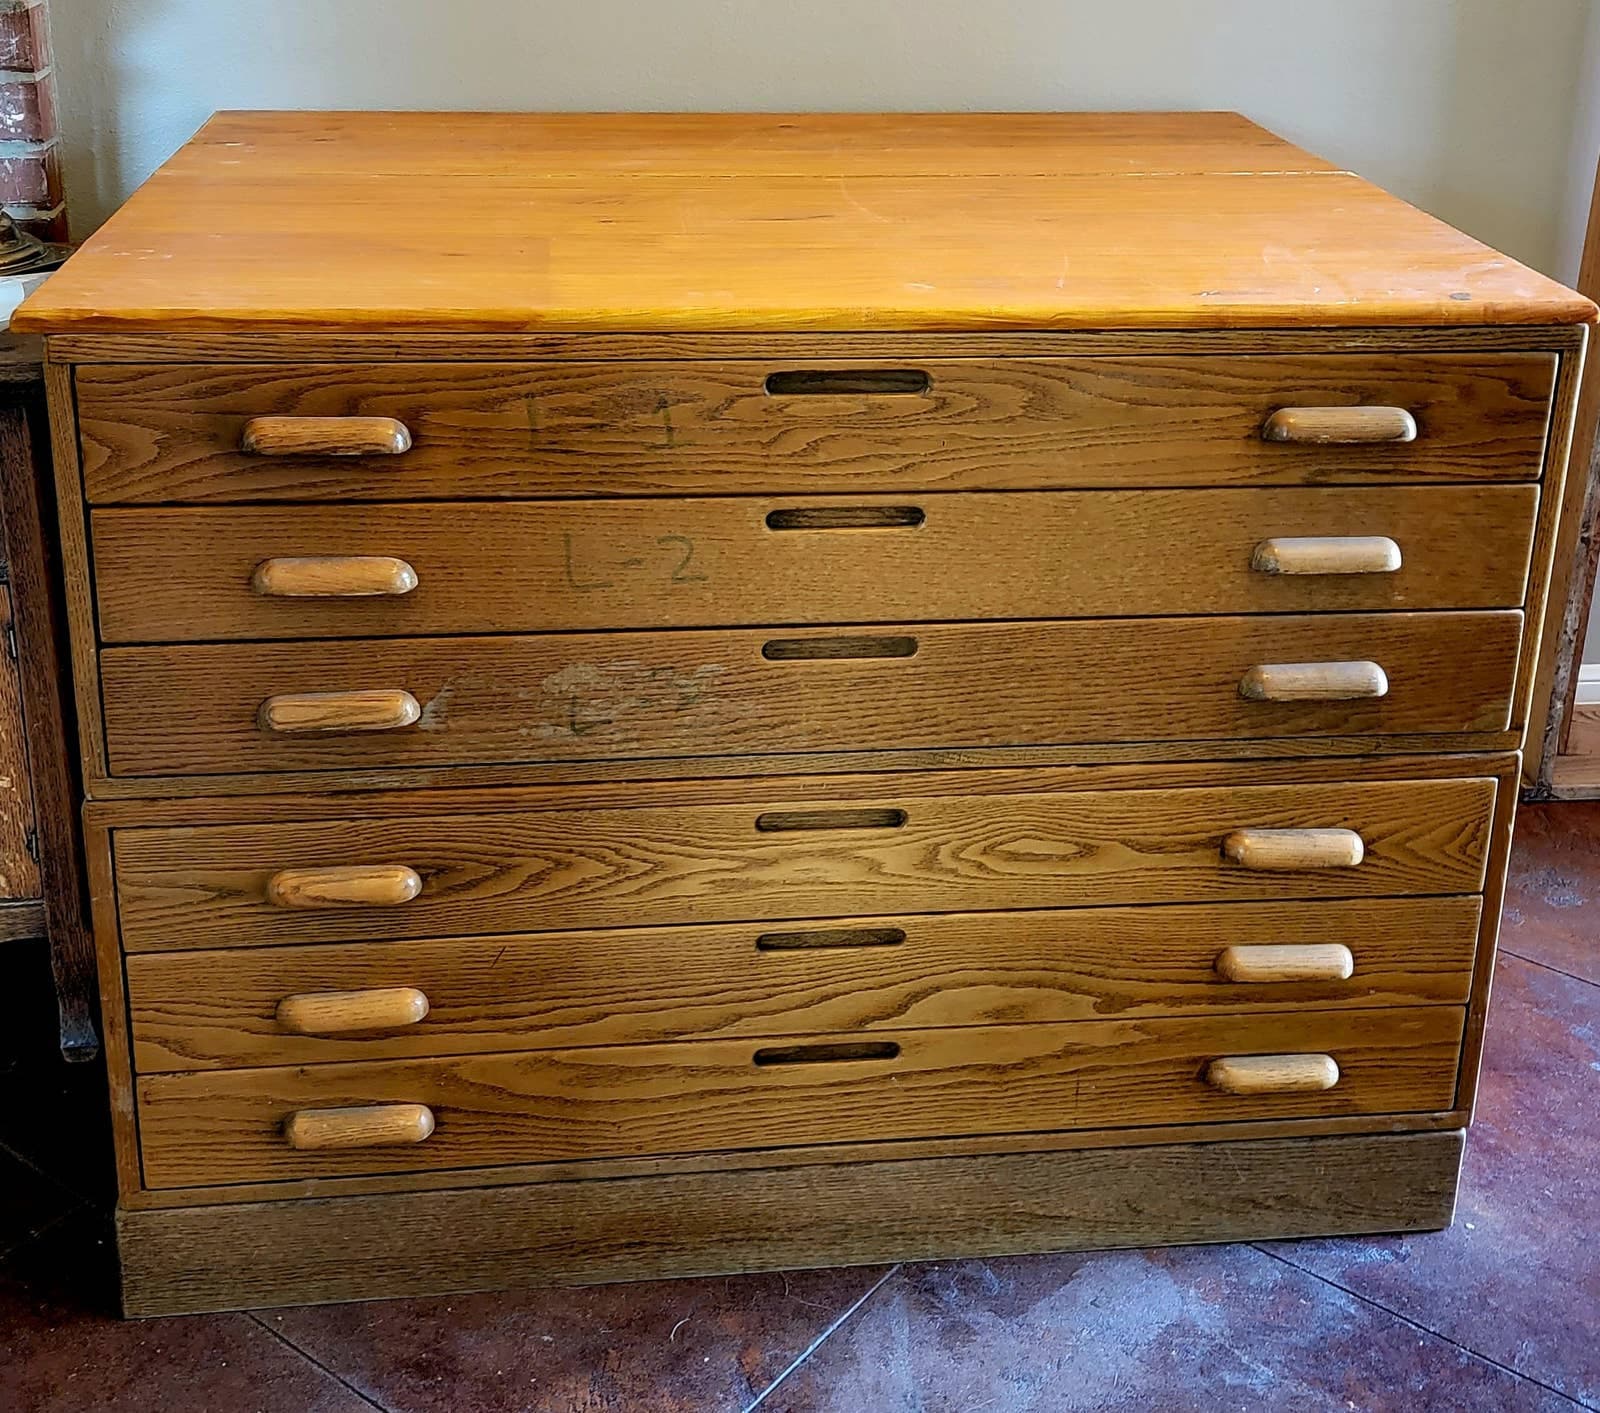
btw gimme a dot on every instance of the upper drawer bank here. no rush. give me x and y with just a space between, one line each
198 573
340 704
416 431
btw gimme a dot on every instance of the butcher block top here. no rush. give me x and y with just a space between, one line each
758 223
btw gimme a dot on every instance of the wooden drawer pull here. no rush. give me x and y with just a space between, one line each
306 713
1285 850
1340 426
1327 554
365 1126
848 382
324 436
1287 961
349 886
1272 1074
334 576
1313 682
847 517
828 1052
334 1012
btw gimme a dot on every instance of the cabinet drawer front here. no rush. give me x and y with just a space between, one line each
889 851
175 433
194 574
207 1009
224 1126
197 710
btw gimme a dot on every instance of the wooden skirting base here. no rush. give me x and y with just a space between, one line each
187 1260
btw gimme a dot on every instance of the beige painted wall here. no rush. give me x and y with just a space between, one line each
1484 112
1463 106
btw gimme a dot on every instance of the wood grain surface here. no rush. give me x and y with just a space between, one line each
210 1009
222 1126
804 223
171 432
181 888
193 710
261 1253
192 574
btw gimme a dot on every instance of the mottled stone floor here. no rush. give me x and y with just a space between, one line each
1501 1312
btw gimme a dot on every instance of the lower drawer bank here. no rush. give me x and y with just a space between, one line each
648 1008
647 1100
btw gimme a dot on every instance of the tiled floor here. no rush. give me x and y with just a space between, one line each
1501 1312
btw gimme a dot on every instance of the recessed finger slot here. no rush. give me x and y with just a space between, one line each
828 1052
830 937
794 821
848 382
847 517
834 649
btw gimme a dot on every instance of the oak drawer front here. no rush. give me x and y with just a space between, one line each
433 997
199 710
791 857
200 573
176 433
640 1100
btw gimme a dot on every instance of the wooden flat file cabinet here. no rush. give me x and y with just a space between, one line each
794 690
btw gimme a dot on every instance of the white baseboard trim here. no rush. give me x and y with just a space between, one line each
1589 684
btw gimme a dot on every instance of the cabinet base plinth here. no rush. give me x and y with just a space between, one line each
185 1260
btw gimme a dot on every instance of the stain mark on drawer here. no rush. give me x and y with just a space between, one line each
593 697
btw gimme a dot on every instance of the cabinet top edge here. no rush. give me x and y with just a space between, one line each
763 223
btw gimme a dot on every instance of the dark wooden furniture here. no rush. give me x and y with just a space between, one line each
41 892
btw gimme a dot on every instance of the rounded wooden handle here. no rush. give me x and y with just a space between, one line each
334 1012
1327 554
334 576
365 1126
1339 426
1282 850
1313 682
324 436
1272 1074
307 713
349 886
1286 961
